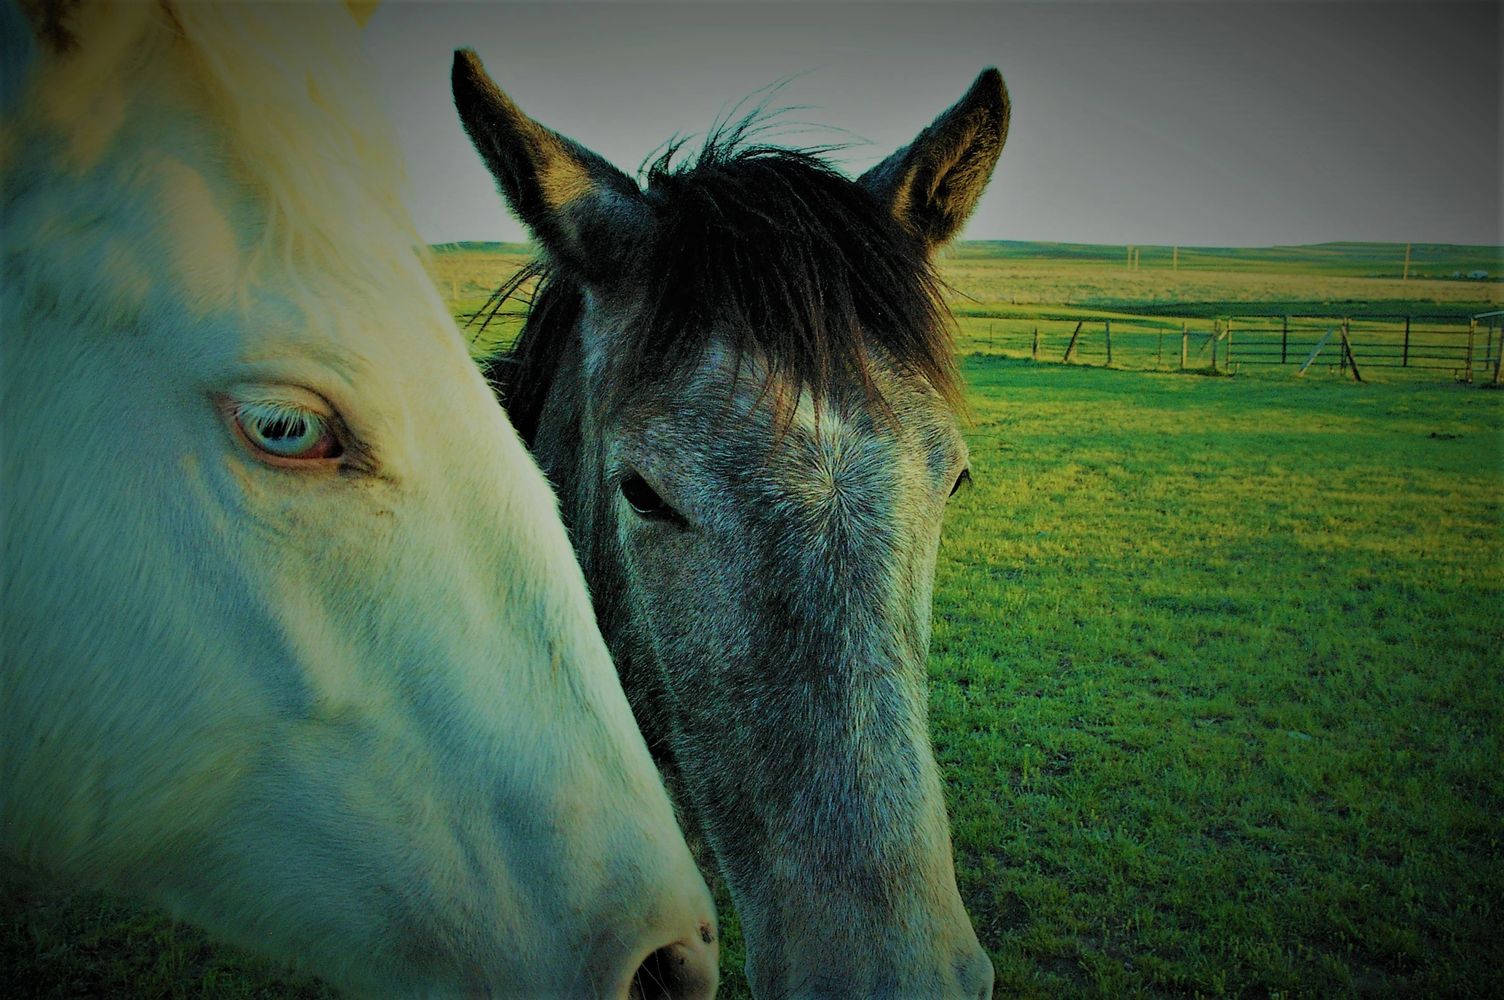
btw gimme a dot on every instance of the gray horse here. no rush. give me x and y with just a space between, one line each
740 380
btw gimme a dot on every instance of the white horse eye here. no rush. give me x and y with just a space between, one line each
287 431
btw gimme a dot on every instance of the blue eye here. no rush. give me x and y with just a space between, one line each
287 431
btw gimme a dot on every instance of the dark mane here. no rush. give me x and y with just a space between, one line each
790 259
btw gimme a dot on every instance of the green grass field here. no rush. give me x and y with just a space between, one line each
1217 675
1217 681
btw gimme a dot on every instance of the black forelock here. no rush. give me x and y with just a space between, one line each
771 248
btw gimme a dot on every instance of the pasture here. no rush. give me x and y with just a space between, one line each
1216 671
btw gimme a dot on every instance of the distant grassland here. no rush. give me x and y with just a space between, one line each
997 289
1217 684
982 273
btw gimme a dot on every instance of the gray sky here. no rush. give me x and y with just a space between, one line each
1192 123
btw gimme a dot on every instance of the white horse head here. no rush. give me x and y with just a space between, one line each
294 642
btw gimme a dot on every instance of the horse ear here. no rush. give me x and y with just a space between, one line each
932 184
585 213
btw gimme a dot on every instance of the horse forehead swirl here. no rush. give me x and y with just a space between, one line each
724 405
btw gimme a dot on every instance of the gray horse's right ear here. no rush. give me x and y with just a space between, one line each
587 215
932 184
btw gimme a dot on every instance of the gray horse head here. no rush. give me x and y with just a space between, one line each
740 380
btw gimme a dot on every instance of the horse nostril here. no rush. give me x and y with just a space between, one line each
684 970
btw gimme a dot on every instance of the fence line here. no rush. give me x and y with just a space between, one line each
1469 348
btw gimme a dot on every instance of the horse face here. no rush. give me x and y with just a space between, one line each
781 579
295 643
760 547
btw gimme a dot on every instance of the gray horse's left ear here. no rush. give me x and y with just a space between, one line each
932 184
585 213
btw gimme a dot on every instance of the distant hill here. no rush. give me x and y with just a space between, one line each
1368 260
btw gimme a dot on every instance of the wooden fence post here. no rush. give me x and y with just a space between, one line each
1472 332
1035 349
1405 355
1284 339
1215 324
1227 354
1071 347
1347 352
1159 351
1498 358
1107 329
1185 335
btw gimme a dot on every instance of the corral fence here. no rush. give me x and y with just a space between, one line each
1468 348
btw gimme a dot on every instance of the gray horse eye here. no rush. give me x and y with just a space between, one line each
964 477
644 499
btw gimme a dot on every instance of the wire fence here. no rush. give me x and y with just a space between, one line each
1468 348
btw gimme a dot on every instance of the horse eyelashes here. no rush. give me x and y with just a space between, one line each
285 431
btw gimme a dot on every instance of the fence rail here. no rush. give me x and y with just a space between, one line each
1469 348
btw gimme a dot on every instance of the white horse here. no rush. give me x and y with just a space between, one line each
294 643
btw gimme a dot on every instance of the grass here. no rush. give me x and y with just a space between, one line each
1328 274
89 945
1278 301
1217 684
1217 681
1327 260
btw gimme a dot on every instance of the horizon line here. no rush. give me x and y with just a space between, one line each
1498 247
